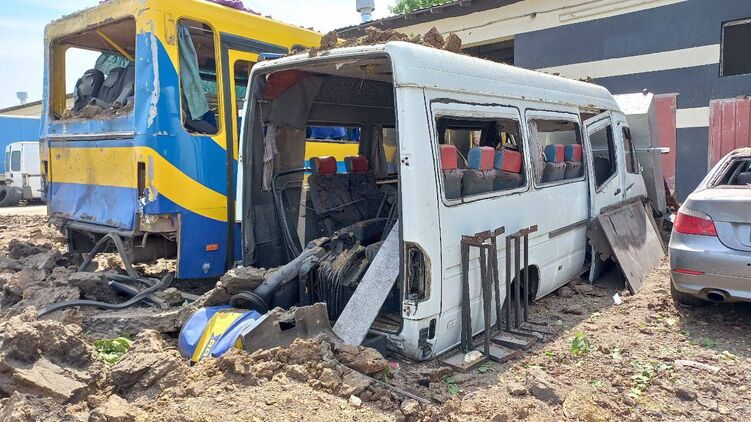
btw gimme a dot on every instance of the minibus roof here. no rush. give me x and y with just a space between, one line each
420 66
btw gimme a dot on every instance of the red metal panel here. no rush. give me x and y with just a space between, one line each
665 108
729 126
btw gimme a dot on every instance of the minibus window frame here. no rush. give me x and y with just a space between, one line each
548 114
441 108
603 124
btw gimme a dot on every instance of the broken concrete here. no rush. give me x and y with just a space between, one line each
18 249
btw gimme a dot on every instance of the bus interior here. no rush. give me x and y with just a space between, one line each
348 204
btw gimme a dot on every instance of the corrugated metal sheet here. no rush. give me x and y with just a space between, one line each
14 129
729 126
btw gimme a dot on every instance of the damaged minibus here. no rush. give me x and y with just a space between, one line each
145 148
450 146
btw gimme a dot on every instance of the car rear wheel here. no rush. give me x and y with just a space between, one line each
685 298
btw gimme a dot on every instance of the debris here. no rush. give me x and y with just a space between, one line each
410 407
433 38
355 401
18 249
685 394
47 358
453 43
541 388
362 359
516 389
116 409
573 309
149 367
683 363
329 40
617 299
172 296
565 292
354 383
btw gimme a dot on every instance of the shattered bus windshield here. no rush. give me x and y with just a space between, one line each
94 72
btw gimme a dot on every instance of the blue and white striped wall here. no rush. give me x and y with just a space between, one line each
674 48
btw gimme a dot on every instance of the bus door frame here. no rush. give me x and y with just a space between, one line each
234 47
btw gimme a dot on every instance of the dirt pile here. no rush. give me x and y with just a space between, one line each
374 36
149 368
48 359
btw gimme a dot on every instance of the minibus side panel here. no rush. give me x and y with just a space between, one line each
418 208
552 208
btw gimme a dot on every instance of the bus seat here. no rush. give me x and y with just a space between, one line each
572 155
329 197
128 84
479 177
452 176
362 186
111 88
87 87
743 178
555 168
508 169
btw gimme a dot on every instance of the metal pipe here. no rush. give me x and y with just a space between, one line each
517 283
526 276
486 293
508 283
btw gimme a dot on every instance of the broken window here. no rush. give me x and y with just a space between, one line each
737 173
97 67
603 153
198 82
632 164
556 150
480 156
735 45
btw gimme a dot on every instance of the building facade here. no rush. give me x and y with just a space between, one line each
695 55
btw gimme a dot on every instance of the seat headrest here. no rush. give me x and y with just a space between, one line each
572 152
449 157
744 178
481 158
323 165
508 160
356 164
554 153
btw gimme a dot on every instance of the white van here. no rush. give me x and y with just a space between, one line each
449 145
23 177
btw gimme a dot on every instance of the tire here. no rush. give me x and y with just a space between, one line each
7 196
685 298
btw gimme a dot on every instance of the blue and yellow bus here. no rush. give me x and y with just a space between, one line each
149 148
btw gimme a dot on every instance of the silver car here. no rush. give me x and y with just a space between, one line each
710 247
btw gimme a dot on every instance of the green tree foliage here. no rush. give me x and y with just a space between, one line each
406 6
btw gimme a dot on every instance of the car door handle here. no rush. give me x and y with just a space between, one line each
617 192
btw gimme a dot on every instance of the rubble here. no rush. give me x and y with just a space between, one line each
374 35
149 367
47 358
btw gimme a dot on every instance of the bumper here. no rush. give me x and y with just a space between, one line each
724 271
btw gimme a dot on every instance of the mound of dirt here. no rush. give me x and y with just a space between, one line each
48 359
374 36
150 367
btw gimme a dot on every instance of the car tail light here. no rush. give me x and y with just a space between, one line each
694 222
689 272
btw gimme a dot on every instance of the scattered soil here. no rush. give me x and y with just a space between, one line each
646 359
373 36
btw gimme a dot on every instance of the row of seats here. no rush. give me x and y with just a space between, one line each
488 170
116 88
346 201
562 162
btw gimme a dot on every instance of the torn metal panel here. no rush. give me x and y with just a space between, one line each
627 233
280 328
361 310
